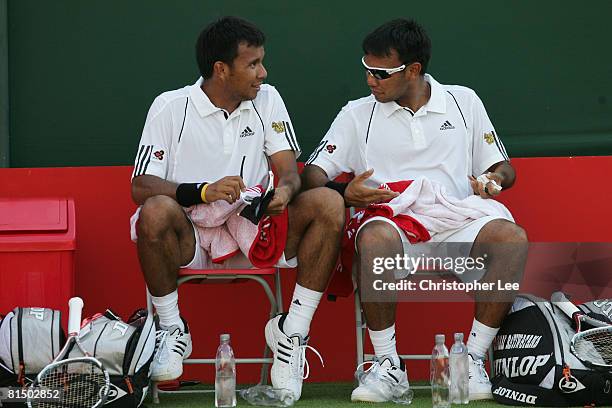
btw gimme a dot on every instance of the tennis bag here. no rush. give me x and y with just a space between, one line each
533 362
125 350
30 337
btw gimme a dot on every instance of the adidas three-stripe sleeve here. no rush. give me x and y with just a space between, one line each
279 134
488 148
337 153
152 153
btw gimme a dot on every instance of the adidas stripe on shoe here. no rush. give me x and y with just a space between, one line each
382 382
172 346
290 367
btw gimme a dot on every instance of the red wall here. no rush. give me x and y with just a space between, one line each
555 199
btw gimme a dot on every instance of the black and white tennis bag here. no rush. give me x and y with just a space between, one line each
30 338
125 351
533 362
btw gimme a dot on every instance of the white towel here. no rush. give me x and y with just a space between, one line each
429 203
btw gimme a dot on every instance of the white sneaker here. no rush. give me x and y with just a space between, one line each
382 382
480 386
172 347
289 357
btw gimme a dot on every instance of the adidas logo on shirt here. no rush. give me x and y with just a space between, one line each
446 126
247 132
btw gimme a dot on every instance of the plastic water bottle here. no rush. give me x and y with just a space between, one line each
459 374
225 378
440 376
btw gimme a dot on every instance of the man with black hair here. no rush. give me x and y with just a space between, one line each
412 126
205 143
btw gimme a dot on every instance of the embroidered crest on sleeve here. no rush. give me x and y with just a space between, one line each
279 127
159 155
330 148
489 138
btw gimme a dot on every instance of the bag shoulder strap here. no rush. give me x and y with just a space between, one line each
146 333
21 373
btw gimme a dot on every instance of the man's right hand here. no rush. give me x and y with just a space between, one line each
228 189
358 195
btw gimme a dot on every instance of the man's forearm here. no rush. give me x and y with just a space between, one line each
146 186
291 181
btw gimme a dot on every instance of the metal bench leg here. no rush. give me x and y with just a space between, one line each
265 367
491 365
359 327
279 291
153 385
263 379
154 392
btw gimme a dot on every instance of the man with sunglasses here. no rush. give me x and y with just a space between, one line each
412 126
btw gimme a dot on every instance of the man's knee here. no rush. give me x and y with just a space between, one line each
327 206
503 231
157 215
377 234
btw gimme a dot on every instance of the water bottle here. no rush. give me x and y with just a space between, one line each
459 375
225 377
440 376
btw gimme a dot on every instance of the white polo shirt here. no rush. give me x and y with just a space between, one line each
447 139
187 139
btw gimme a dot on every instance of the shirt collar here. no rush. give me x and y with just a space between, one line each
437 100
436 103
203 104
389 108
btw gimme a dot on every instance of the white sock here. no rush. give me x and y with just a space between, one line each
167 310
303 306
481 337
384 343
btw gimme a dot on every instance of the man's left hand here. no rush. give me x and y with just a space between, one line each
487 190
282 196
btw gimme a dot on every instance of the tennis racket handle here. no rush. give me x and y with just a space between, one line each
562 302
75 306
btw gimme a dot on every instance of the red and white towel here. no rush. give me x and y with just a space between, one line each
422 209
428 202
223 233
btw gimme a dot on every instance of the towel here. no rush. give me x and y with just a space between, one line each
422 209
